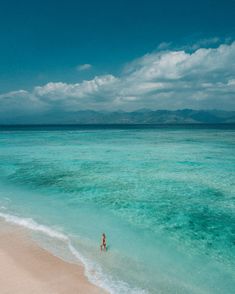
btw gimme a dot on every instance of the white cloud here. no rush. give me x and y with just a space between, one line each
83 67
166 79
78 95
56 91
173 79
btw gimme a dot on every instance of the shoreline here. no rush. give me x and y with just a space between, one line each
27 268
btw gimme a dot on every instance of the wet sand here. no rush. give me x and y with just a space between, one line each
26 268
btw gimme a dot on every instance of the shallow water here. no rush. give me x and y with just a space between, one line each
165 197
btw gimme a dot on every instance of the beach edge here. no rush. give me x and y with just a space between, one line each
29 268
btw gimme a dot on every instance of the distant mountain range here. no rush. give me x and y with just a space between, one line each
142 116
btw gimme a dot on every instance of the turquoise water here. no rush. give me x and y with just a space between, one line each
164 196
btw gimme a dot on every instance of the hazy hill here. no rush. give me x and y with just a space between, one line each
142 116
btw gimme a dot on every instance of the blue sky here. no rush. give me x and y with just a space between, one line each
116 54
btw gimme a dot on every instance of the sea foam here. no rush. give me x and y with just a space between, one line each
93 271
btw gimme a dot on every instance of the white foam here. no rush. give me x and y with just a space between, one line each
93 271
32 225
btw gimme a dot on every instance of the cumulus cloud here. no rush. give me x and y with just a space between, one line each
79 95
177 79
83 67
20 101
203 79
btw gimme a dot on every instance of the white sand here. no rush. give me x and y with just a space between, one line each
25 268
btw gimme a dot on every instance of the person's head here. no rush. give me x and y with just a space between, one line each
103 235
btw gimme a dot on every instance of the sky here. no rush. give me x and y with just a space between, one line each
116 55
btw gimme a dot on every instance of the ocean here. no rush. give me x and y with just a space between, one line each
164 195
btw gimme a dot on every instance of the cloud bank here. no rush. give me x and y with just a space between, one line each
168 79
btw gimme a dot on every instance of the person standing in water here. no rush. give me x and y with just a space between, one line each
103 243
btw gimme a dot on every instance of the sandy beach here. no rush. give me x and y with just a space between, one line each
26 268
